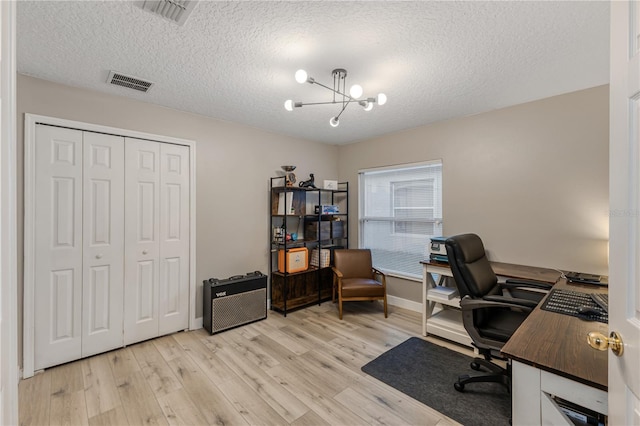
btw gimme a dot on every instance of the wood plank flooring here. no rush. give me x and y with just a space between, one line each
300 370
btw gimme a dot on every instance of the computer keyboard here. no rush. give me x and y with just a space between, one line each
602 300
568 302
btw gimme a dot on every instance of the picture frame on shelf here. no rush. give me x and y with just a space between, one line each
331 184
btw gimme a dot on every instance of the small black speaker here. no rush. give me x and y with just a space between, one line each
234 301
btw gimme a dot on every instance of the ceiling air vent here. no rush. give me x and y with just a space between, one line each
128 81
174 10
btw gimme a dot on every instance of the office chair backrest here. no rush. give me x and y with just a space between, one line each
353 263
470 267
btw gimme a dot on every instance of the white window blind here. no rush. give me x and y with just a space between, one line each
400 210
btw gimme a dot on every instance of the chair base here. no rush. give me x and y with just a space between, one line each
496 374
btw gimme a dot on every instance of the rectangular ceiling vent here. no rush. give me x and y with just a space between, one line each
128 81
174 10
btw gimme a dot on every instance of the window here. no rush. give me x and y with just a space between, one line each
400 211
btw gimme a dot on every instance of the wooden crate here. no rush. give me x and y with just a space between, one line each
302 288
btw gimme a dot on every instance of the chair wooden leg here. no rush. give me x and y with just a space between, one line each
340 307
385 306
333 290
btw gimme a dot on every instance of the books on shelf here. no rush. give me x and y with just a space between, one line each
288 196
442 292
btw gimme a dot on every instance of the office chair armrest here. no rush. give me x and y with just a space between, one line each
515 300
514 283
468 304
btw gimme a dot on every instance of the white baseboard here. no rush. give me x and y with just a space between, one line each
391 300
197 323
404 303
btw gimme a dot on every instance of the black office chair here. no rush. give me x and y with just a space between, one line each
491 311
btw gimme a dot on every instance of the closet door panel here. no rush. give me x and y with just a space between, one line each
174 238
58 246
142 239
103 235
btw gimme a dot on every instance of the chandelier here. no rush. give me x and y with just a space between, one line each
340 95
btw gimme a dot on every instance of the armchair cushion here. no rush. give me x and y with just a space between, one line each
361 287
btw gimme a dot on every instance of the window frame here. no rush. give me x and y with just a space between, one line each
436 207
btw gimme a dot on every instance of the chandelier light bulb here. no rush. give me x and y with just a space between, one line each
301 76
288 105
355 91
334 122
382 99
368 106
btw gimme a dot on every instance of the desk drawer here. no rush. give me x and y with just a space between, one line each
578 393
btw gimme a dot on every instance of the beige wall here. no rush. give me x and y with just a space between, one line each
531 180
233 167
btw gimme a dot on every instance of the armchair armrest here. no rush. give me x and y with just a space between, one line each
378 272
383 277
337 272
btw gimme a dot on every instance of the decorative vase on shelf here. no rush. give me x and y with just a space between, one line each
290 177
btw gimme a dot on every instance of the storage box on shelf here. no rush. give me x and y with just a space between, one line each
297 226
320 258
311 226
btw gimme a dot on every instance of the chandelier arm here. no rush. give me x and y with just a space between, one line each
324 103
341 111
336 92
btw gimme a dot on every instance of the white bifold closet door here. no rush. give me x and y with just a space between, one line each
156 239
79 241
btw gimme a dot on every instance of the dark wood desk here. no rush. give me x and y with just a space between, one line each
558 343
511 270
552 357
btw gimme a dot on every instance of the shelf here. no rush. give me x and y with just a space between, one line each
318 231
448 324
306 271
453 302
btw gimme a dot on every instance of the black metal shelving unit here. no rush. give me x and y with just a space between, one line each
294 290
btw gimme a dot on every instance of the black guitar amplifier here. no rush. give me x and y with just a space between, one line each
234 301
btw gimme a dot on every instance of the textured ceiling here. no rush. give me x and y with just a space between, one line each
236 60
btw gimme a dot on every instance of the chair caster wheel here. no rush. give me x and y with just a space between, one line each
475 366
458 386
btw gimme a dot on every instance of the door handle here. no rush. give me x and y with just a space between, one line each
98 256
601 342
144 252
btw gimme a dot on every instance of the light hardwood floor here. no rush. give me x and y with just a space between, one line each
300 370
